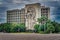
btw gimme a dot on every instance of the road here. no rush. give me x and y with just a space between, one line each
28 36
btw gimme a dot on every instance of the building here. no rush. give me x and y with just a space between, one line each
28 15
33 12
45 11
16 16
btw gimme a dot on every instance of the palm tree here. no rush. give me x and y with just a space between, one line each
43 18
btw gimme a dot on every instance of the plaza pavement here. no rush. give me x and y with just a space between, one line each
28 36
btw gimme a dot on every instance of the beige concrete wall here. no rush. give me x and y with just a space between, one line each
37 13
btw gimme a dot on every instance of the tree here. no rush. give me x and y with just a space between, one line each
6 27
43 18
36 27
19 28
50 28
22 27
1 27
57 26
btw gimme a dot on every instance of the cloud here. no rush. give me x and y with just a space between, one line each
16 4
31 1
0 3
21 1
52 17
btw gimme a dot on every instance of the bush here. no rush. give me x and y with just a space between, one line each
1 28
5 27
19 28
50 28
9 27
36 27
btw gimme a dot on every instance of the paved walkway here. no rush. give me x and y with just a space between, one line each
28 36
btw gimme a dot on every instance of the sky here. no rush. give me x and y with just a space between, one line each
18 4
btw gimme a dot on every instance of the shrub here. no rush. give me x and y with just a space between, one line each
36 27
19 28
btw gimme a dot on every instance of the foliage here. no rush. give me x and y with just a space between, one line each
50 28
43 18
39 28
5 27
1 27
19 28
36 27
9 27
57 26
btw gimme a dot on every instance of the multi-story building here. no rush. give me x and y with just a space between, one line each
45 11
28 15
16 16
33 12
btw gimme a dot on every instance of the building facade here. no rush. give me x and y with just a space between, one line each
33 12
28 15
16 16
